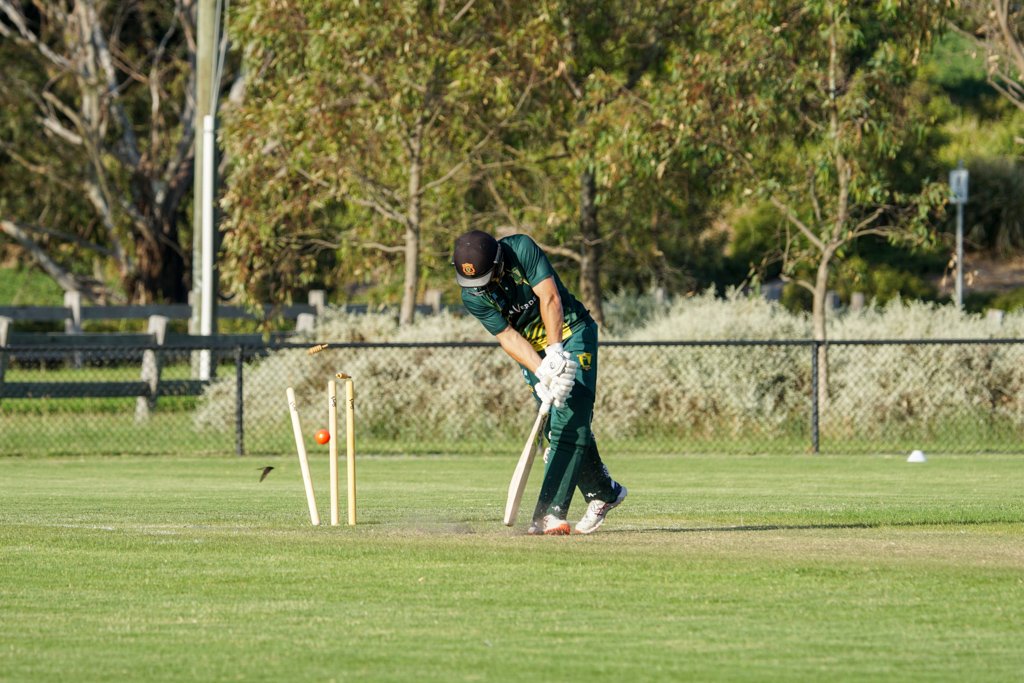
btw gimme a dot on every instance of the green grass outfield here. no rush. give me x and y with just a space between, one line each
733 568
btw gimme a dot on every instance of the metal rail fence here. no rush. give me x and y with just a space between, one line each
739 397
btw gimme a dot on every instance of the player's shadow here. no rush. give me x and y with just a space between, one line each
810 527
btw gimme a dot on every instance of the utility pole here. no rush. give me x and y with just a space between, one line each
206 51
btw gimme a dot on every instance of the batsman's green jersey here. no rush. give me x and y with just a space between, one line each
511 301
573 459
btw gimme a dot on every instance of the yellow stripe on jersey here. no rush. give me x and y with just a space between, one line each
538 336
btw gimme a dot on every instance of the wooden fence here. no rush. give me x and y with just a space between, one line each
73 314
75 347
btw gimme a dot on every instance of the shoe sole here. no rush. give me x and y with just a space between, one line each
558 531
618 501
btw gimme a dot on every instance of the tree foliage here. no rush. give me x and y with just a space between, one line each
607 179
998 25
624 136
362 129
376 132
96 142
814 109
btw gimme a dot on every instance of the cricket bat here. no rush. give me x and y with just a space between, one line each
522 471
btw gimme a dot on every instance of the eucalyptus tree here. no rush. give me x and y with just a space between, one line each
360 132
591 179
96 146
995 28
999 26
812 99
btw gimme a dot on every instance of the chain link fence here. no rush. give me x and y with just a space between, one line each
741 397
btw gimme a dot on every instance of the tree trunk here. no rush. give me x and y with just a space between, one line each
590 252
411 279
818 313
412 232
160 268
819 306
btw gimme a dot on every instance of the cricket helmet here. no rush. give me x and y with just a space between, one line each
477 259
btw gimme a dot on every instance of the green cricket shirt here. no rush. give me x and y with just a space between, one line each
511 301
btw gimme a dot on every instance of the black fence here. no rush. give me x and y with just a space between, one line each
740 397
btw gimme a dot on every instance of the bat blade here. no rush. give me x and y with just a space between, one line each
521 474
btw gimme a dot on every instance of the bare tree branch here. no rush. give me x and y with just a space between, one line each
798 281
562 251
1006 92
1010 40
383 247
129 144
56 127
65 237
861 226
462 12
111 79
379 208
67 280
998 36
26 36
791 216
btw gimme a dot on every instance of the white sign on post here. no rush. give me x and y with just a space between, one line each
958 185
958 196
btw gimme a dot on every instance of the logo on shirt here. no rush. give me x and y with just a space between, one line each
518 277
517 308
468 269
584 359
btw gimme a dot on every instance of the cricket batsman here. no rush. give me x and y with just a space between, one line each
511 288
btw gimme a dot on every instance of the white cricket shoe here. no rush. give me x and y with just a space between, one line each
549 525
596 512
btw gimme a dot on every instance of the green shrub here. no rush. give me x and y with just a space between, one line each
879 281
1009 301
994 216
451 394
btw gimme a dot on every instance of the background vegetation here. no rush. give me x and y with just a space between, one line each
649 146
696 398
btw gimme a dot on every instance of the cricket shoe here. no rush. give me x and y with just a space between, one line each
549 525
596 512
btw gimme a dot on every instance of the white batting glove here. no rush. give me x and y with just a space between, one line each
552 365
559 399
545 394
569 372
558 391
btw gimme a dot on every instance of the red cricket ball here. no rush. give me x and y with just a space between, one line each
322 436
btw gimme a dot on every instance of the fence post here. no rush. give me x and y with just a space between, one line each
73 302
317 298
5 330
434 299
151 366
814 397
73 324
239 403
305 322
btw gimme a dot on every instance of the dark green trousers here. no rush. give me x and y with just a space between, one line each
573 458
